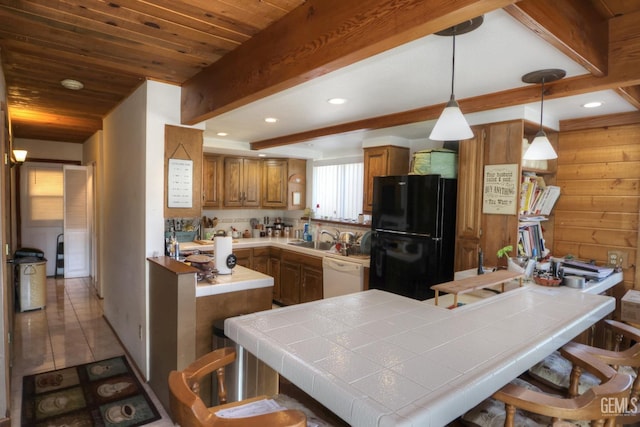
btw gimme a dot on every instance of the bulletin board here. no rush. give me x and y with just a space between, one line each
500 189
182 172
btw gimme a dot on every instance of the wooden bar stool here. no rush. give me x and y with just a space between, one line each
526 405
188 410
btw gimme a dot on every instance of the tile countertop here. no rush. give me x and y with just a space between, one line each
376 358
240 279
280 242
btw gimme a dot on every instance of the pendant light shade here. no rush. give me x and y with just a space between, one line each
541 148
451 125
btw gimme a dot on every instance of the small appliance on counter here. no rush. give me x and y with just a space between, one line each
222 251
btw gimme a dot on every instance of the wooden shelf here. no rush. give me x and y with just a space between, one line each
473 283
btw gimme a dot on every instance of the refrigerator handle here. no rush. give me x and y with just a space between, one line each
406 233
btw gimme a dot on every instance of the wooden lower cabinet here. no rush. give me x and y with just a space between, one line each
300 278
274 271
260 260
243 257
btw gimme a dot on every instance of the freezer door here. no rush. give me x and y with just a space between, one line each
408 203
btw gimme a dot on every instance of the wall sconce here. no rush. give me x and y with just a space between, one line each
451 125
19 156
541 148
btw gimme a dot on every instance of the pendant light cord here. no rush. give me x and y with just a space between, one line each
453 63
541 103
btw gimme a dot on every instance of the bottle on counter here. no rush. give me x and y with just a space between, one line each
480 262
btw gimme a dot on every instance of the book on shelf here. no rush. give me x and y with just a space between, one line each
537 198
530 239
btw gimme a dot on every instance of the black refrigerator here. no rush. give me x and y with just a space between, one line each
413 234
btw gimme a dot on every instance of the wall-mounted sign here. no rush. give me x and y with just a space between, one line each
180 184
500 189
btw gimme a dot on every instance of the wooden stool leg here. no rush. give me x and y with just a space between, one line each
436 301
455 300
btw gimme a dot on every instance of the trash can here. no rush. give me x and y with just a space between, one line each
247 376
31 279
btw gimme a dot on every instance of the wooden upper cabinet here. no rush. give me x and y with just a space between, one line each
382 161
297 184
274 183
242 178
212 175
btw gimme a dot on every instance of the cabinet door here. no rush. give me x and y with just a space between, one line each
212 167
243 257
251 182
289 283
233 168
274 271
382 161
274 183
311 284
297 184
468 218
375 164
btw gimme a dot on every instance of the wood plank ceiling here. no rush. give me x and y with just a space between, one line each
113 46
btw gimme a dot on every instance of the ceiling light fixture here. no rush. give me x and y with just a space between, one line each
19 156
72 84
222 134
541 148
593 104
270 120
451 125
336 101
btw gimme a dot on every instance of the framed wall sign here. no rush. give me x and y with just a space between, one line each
180 183
500 189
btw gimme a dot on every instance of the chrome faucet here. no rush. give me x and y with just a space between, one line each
335 237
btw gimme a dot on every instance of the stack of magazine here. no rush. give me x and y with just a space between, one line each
579 268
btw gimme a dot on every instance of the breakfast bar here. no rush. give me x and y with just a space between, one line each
379 359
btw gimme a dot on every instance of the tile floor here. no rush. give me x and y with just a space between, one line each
69 331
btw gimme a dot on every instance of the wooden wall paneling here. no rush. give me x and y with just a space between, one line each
598 208
184 143
503 146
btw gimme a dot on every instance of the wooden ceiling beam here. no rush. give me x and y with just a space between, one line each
624 72
574 27
314 39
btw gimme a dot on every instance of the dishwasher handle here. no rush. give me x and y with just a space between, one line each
339 265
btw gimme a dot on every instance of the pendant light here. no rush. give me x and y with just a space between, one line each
541 148
451 125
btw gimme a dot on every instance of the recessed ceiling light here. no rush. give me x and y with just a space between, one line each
270 120
72 84
594 104
222 134
336 101
262 155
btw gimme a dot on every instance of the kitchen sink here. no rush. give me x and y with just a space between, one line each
322 246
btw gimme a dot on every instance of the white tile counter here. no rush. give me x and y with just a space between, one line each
376 358
240 279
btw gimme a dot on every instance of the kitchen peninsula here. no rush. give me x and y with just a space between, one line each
182 312
376 358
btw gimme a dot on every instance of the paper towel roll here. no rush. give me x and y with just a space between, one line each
221 250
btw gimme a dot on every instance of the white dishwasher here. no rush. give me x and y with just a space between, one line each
341 277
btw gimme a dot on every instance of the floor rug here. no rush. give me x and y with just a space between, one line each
104 393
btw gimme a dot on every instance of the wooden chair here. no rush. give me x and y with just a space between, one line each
614 387
617 359
188 410
522 404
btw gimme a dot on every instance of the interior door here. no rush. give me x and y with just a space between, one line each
77 222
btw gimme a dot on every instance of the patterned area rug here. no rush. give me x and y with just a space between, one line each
104 393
